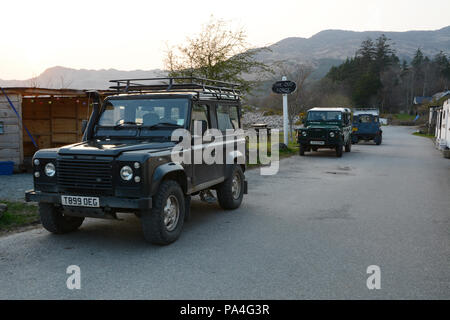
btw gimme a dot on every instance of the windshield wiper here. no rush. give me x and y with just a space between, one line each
163 124
120 125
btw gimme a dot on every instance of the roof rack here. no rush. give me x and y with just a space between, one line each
216 88
372 111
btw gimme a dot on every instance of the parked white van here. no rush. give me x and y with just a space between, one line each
443 126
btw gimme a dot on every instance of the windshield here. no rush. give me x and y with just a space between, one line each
147 112
125 117
324 116
366 119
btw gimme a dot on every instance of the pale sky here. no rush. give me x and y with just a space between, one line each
132 34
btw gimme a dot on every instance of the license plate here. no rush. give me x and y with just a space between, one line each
318 143
77 201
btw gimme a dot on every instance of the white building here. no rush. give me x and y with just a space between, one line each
443 126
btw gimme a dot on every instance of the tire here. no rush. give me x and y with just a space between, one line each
348 146
54 221
231 192
378 140
162 225
301 150
339 151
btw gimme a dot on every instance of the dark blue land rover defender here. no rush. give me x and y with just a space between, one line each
125 164
366 126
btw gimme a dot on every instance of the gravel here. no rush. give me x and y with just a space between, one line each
13 187
274 122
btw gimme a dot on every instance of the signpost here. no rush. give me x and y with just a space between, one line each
284 87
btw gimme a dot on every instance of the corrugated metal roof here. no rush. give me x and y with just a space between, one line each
28 91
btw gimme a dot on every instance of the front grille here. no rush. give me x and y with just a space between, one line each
317 133
85 176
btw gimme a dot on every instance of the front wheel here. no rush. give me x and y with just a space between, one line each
348 146
301 150
339 151
54 221
162 224
231 192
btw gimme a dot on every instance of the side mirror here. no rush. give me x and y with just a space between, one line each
84 124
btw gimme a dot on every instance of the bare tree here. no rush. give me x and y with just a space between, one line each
63 83
33 82
217 52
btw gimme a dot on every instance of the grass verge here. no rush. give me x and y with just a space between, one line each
424 135
18 215
290 151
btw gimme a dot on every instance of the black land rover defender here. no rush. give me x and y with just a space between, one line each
326 128
124 163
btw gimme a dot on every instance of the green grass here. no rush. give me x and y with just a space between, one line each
404 117
424 135
18 215
292 149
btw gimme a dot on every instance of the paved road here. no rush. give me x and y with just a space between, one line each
308 233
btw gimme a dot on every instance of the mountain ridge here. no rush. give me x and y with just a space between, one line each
322 50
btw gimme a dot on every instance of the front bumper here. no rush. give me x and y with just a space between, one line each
105 201
328 143
356 136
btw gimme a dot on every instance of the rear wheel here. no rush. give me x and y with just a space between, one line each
378 139
231 192
339 151
54 221
162 224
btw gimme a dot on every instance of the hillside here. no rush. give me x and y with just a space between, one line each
61 77
338 44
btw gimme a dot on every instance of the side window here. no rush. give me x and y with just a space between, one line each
199 113
234 116
227 117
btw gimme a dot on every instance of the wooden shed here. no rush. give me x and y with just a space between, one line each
53 118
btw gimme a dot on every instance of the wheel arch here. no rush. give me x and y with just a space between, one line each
169 171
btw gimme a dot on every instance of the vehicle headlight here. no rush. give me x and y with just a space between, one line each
304 133
126 173
50 169
332 134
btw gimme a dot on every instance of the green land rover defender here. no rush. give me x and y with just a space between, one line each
326 128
